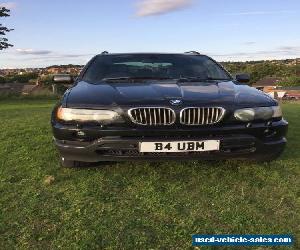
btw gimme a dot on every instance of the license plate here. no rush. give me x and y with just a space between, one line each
179 146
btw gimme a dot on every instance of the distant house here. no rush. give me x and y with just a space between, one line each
65 69
267 83
271 86
54 70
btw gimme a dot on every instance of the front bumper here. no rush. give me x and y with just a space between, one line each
237 141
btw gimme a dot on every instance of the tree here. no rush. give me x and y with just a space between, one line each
2 79
290 81
3 30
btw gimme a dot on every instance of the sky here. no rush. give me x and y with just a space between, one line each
51 32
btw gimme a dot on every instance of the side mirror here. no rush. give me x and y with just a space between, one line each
243 78
63 78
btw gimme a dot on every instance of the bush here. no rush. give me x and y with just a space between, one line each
290 81
46 80
43 95
2 80
260 70
24 78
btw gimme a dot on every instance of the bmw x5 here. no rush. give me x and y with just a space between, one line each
164 106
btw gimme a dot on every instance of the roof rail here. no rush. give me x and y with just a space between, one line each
104 52
193 52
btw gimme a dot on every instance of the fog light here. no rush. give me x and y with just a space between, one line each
80 133
269 132
249 125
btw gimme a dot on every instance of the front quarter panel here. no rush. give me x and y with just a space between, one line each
246 96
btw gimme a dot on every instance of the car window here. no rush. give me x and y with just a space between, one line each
153 66
213 71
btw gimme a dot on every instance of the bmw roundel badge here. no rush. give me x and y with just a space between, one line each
176 102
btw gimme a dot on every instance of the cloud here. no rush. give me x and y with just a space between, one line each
8 5
159 7
254 13
61 57
33 52
249 43
46 54
289 48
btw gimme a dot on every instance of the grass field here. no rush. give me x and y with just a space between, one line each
134 205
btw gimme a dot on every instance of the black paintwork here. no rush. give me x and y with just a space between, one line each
123 95
153 92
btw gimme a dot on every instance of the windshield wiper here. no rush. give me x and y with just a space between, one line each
129 78
217 79
116 78
181 79
191 79
200 79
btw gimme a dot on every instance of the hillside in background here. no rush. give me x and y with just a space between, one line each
288 70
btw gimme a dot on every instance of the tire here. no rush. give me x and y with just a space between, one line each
68 163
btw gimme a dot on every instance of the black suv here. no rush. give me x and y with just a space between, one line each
164 106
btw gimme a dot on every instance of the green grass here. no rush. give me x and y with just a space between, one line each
135 204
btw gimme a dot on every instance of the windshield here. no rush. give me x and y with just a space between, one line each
153 66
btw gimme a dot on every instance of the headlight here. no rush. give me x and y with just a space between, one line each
260 113
88 115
